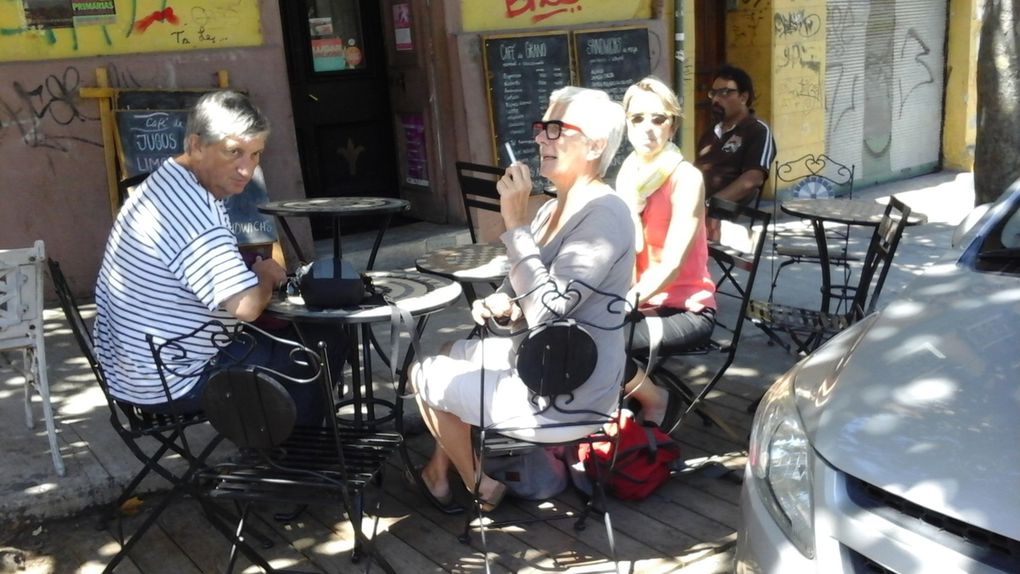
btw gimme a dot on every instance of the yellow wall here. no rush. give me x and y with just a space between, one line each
688 137
506 14
749 46
798 78
179 25
781 44
960 122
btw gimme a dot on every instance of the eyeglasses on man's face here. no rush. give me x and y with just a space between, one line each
721 92
656 119
553 128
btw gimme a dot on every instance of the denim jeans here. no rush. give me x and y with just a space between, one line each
308 397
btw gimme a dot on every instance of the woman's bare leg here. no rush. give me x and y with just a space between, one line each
653 398
453 446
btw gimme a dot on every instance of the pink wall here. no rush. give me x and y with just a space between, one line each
53 182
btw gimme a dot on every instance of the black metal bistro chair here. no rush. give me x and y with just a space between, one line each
553 359
151 438
478 190
811 177
282 461
809 328
738 258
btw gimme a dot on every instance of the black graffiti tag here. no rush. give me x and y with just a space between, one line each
54 100
799 23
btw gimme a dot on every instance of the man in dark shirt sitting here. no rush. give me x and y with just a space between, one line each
736 154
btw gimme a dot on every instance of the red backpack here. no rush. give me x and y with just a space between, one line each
642 460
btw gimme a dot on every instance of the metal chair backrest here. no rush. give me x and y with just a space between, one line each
478 189
813 177
248 404
878 259
249 407
728 258
556 357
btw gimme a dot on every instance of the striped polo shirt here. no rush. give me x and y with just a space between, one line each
170 263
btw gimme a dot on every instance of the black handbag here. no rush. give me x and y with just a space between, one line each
331 283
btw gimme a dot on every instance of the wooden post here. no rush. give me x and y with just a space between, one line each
104 94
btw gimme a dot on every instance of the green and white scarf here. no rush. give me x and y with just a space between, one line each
638 178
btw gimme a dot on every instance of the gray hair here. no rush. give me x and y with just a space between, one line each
602 118
221 114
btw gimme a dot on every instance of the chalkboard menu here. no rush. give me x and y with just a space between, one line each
521 72
612 59
148 137
150 128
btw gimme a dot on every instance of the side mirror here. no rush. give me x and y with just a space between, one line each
968 223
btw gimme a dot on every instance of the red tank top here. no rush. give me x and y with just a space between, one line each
693 289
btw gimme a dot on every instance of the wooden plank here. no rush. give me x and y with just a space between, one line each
73 545
156 552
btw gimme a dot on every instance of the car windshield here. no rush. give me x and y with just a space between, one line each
1000 250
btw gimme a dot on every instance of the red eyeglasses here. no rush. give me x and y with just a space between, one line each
553 128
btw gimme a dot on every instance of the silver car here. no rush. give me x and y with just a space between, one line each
895 447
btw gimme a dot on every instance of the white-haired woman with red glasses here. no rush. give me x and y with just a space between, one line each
585 235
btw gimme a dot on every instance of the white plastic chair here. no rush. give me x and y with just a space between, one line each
21 329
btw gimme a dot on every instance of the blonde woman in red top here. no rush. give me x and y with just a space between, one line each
666 194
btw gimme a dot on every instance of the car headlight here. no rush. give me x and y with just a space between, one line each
780 461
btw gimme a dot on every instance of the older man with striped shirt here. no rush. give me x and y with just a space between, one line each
172 262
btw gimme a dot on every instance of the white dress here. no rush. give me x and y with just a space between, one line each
596 247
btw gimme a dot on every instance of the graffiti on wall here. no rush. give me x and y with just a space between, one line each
478 15
134 26
45 115
883 85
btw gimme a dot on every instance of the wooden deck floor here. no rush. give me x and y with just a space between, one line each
689 525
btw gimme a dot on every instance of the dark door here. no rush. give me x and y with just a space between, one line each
336 66
709 54
409 33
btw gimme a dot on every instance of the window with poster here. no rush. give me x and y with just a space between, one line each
337 41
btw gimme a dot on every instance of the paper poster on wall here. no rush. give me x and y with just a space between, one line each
402 27
417 159
328 54
47 14
93 12
320 27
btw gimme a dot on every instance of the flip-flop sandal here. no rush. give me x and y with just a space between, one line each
446 504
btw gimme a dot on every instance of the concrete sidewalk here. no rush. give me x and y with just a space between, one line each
98 464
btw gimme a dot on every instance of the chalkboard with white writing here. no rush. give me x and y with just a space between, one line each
612 59
147 137
521 72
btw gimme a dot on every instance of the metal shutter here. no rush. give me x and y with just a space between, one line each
884 81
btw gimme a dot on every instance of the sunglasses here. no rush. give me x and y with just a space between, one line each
553 128
721 92
656 119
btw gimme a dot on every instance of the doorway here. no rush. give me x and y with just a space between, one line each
709 54
337 73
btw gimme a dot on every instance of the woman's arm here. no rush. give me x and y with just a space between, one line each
688 200
601 235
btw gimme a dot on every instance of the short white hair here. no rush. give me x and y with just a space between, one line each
222 114
601 118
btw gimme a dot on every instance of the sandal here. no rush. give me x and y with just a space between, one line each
494 500
444 504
